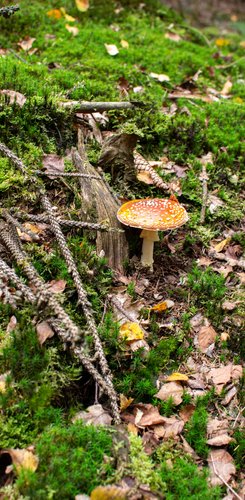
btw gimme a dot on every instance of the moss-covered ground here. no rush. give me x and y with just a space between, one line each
44 386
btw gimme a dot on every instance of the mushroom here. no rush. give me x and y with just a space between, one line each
152 215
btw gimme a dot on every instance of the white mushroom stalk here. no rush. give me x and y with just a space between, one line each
152 215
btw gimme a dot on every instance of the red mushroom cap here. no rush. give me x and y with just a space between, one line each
154 214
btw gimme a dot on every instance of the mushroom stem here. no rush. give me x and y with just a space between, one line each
148 246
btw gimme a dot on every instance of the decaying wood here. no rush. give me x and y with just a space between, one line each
93 107
99 204
117 157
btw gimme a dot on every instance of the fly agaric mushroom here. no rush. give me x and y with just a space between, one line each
152 215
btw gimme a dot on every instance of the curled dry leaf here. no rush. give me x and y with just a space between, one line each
130 332
125 402
95 415
14 97
82 5
111 49
176 376
221 465
53 164
44 331
56 286
186 412
22 459
173 390
72 29
12 324
26 44
220 440
160 78
162 306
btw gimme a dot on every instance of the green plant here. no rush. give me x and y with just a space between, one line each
207 290
196 428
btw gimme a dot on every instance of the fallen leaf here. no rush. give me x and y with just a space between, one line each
144 177
111 492
171 428
12 324
132 428
226 89
139 344
14 97
204 261
229 305
95 415
214 203
180 93
160 78
3 379
26 43
220 462
206 337
124 44
150 442
173 390
131 331
149 416
55 13
125 402
224 336
224 270
53 164
229 396
111 49
56 286
216 427
242 44
82 5
22 459
220 440
162 306
44 331
222 42
72 29
222 244
220 376
188 449
186 412
172 36
176 376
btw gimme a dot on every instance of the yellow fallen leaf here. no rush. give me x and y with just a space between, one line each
162 306
55 13
222 244
82 5
222 42
130 332
111 492
23 459
72 29
68 18
176 376
132 428
124 44
3 383
242 44
125 402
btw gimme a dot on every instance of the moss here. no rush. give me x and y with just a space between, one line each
196 429
142 467
72 460
207 290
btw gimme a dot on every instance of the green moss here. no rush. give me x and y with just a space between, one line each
142 467
196 430
72 460
207 291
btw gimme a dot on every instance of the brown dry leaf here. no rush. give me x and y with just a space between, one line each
171 428
22 459
224 270
220 440
14 97
132 428
216 427
54 13
177 377
224 336
188 449
162 306
56 286
236 372
173 390
12 324
186 412
130 332
124 44
111 49
241 277
229 396
173 36
206 337
44 331
180 93
144 177
227 88
229 305
160 78
140 344
95 415
151 416
53 164
111 492
220 462
33 228
72 29
222 244
125 402
221 376
82 5
204 261
26 43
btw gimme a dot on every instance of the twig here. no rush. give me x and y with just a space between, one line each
204 178
93 107
224 481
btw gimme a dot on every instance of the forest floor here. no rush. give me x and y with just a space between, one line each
175 344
